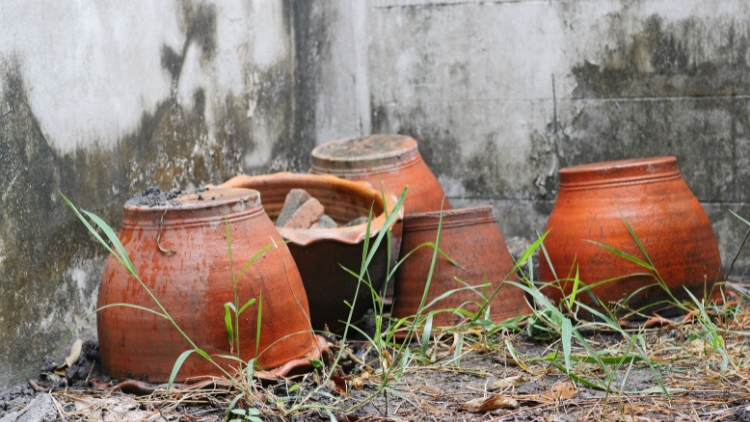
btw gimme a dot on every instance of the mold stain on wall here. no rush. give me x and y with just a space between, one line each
49 265
672 88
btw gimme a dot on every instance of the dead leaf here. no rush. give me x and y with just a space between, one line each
495 401
507 382
75 353
699 347
560 391
359 381
116 408
337 384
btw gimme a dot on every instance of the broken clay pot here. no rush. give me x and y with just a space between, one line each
320 253
472 238
662 211
179 249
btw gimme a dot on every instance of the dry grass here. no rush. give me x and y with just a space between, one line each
522 385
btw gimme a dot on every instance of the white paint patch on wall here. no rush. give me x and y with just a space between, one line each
267 33
88 77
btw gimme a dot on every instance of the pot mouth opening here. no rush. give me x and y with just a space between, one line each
343 200
456 217
635 170
364 154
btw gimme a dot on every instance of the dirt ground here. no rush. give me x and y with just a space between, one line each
505 377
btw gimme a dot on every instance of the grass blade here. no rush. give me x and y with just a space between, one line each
625 255
426 336
228 323
567 338
177 365
259 323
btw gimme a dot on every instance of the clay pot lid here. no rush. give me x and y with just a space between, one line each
631 170
154 200
451 218
365 152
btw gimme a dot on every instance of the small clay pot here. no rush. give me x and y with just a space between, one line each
471 237
392 159
179 249
320 253
665 215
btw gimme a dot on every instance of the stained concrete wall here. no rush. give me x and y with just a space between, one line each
100 100
502 94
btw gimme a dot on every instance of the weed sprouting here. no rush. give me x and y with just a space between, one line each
400 344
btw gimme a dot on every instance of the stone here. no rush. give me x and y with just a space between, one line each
41 409
357 221
305 216
294 200
325 222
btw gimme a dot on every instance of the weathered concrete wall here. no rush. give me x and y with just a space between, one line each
501 94
100 100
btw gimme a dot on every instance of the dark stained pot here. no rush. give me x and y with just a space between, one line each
392 159
662 211
319 253
471 237
194 283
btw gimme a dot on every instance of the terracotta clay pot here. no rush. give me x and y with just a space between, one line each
471 237
319 253
194 283
392 159
666 217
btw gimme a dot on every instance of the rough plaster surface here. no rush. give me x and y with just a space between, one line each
502 94
100 100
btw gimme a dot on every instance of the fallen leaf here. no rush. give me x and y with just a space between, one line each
359 382
560 391
699 347
75 353
337 384
495 401
507 382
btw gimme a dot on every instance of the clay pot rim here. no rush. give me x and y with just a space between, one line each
351 235
620 172
407 154
189 201
236 204
456 217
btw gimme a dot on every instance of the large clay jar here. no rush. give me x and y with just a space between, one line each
321 253
472 238
669 221
179 249
393 160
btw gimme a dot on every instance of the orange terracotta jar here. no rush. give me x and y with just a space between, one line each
194 283
471 237
392 159
663 212
320 253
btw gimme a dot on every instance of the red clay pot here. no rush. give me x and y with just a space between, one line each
471 237
662 211
392 159
194 283
319 253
